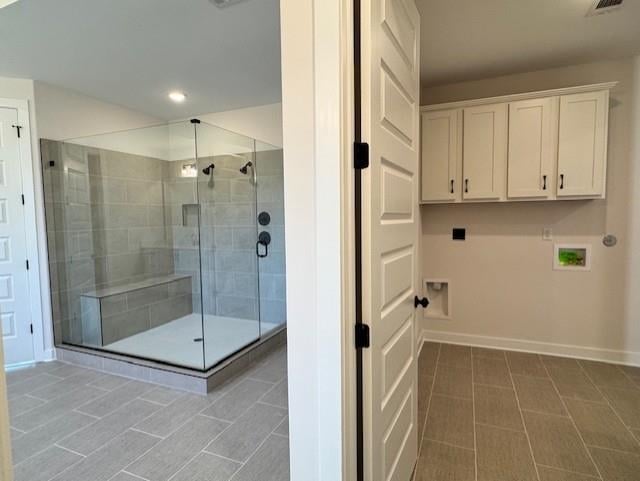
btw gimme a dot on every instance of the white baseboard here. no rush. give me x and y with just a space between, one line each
580 352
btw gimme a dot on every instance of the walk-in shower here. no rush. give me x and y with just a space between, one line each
165 243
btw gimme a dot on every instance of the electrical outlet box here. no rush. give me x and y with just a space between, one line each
547 234
459 233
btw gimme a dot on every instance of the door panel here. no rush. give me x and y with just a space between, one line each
484 152
532 124
582 144
440 152
390 40
15 316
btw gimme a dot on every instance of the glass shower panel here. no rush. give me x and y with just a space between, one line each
270 207
123 242
228 237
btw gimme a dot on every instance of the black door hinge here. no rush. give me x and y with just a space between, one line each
360 155
31 327
27 261
18 129
363 338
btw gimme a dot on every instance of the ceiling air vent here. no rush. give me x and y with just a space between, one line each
604 6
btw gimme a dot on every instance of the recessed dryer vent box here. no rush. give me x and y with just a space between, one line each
438 292
572 257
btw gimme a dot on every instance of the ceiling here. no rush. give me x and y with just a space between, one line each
473 39
133 52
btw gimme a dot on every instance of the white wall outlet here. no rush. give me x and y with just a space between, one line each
547 234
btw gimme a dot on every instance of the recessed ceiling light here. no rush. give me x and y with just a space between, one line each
177 97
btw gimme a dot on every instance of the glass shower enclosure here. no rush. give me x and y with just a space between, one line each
165 243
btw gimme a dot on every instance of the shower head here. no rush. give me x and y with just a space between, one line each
244 168
208 169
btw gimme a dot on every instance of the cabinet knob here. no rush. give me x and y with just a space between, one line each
452 186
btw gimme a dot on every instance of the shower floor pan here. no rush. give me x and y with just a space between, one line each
180 343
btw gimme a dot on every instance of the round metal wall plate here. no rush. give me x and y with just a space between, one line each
609 240
264 218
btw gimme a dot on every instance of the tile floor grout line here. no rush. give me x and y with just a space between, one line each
524 426
70 450
566 470
615 412
426 416
473 413
67 468
444 443
128 474
573 423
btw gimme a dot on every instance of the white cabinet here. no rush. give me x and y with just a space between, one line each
484 152
532 135
535 146
441 155
582 144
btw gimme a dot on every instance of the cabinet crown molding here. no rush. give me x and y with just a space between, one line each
516 97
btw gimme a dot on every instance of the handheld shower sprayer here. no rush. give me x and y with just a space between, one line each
208 169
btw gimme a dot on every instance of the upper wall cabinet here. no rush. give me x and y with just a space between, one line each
582 144
532 134
547 145
484 152
441 155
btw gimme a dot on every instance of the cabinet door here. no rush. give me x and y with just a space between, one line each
440 153
582 144
484 152
532 126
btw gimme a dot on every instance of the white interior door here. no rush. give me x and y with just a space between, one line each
390 216
14 284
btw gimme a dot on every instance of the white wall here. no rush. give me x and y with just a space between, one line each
263 123
504 291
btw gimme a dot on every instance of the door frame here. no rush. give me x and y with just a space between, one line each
31 230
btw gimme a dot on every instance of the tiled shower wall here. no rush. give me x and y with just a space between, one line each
105 225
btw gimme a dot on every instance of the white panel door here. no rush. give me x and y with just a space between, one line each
15 316
391 70
440 151
582 144
532 134
484 152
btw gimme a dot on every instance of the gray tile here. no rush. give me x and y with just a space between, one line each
497 407
240 398
67 370
101 432
559 362
44 436
109 382
19 375
616 466
283 428
526 364
425 384
56 408
556 443
442 462
429 358
456 356
162 395
538 394
208 467
115 399
243 437
31 384
279 395
626 402
173 453
574 384
171 417
492 372
504 455
22 404
55 390
269 463
46 465
599 426
450 421
606 375
122 476
551 474
453 381
109 460
487 352
273 370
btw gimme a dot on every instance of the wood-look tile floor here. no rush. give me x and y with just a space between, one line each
491 415
74 424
